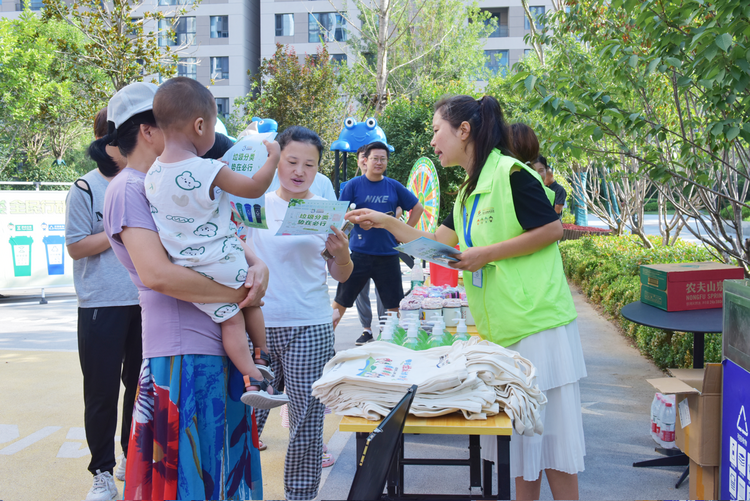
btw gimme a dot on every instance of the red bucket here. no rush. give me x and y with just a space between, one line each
440 275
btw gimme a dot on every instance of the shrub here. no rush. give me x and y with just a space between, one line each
728 213
608 272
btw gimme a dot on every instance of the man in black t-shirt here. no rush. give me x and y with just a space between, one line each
545 171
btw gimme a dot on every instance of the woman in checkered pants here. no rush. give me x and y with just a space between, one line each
298 310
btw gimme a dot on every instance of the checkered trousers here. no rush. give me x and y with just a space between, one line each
298 355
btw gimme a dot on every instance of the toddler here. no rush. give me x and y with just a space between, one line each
193 217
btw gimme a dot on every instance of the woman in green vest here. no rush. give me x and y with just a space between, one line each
507 230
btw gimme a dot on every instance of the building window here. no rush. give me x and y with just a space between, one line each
498 20
222 106
284 25
338 58
496 61
537 13
219 68
184 31
219 27
31 4
326 27
187 67
527 52
176 2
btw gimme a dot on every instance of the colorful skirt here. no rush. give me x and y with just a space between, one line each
192 437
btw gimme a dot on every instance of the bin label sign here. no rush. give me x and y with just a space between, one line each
32 240
734 439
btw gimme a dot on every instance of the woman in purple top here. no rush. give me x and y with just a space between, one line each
192 437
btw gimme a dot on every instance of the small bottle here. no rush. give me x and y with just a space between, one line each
438 332
411 341
417 275
386 333
462 333
666 429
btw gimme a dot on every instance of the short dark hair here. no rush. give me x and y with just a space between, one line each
100 123
361 149
525 143
181 100
377 145
300 134
543 161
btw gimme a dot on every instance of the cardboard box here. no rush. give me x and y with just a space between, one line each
698 397
704 481
686 286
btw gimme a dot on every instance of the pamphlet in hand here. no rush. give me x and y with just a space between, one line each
430 250
312 217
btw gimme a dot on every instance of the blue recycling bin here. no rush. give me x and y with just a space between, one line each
54 246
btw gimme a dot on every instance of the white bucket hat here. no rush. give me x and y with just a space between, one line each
128 102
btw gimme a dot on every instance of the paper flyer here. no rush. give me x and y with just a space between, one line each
430 250
247 156
312 217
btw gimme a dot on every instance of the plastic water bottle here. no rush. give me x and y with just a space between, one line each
655 408
412 334
666 430
417 275
462 333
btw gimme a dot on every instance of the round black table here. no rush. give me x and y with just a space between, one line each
699 322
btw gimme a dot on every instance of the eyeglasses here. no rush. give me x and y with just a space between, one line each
379 160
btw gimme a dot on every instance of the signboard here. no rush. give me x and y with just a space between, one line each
32 240
734 432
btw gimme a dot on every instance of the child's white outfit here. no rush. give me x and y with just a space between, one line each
196 230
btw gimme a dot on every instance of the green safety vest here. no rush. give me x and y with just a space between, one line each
519 296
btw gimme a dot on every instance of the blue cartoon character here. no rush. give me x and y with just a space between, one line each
187 182
206 230
356 134
265 125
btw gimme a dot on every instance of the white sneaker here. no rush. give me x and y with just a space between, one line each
104 488
120 471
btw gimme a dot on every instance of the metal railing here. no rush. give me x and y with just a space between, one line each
36 184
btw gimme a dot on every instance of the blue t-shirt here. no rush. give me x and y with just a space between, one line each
383 196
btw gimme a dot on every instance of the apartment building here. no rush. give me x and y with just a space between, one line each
221 40
301 23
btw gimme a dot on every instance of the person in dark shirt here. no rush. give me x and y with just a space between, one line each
547 174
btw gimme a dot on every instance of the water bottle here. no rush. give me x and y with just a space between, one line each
412 334
655 405
462 333
417 275
666 430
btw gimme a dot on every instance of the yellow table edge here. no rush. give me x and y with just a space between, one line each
451 424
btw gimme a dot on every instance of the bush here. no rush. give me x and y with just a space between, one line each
608 272
652 205
728 213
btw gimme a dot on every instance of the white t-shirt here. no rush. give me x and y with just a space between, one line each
297 292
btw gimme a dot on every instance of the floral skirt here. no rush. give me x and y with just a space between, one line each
192 437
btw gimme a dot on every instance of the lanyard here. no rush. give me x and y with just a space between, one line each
467 226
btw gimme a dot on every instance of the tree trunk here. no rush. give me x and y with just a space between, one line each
381 77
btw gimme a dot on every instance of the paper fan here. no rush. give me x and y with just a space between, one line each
423 182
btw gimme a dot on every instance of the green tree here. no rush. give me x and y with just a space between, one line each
402 45
122 38
665 84
295 92
44 103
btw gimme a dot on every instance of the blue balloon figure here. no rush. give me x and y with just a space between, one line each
266 124
357 134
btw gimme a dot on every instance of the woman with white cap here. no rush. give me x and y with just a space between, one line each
192 437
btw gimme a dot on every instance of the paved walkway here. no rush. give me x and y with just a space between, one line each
43 450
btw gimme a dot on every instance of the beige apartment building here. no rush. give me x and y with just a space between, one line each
225 40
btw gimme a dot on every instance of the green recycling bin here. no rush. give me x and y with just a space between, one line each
21 248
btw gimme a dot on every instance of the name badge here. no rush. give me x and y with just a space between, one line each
477 278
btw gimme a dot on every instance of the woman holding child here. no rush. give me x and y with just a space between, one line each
507 230
192 437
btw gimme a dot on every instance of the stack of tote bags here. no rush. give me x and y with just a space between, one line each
475 377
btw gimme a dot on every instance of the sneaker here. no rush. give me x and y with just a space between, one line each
365 338
120 471
104 487
328 460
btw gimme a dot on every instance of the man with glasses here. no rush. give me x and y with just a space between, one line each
373 250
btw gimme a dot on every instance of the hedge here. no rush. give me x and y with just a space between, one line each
607 270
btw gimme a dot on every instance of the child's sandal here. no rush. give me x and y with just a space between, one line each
265 369
261 398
